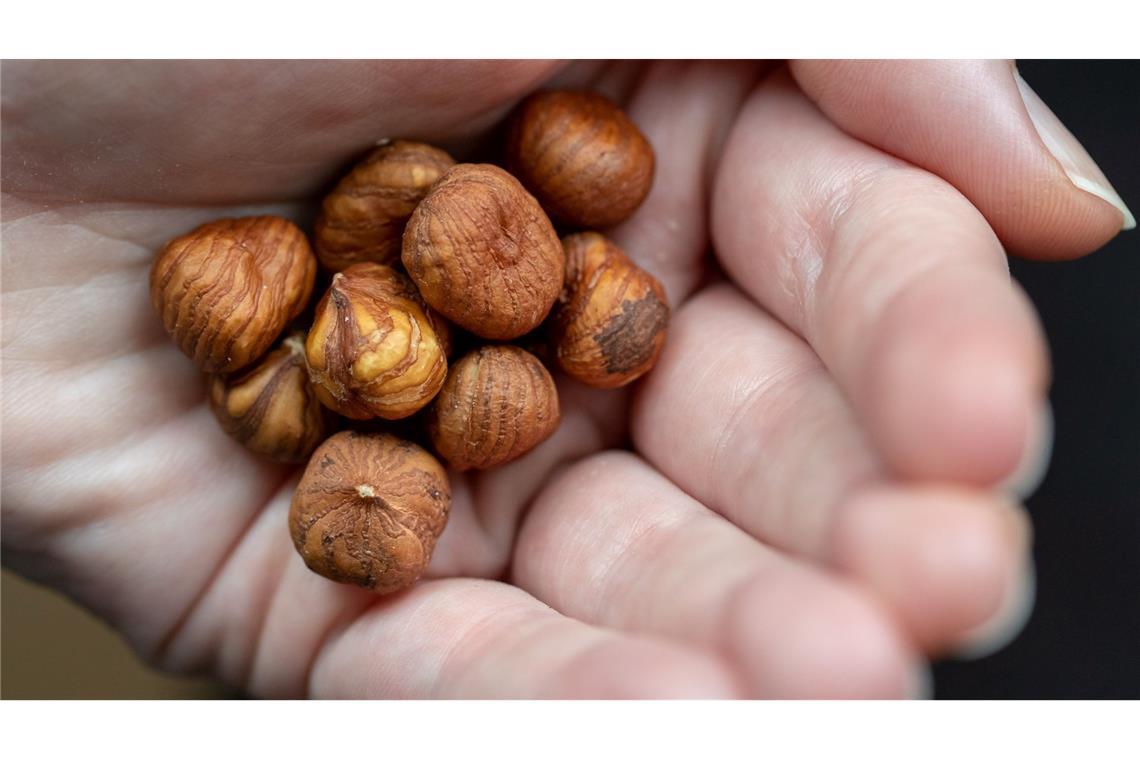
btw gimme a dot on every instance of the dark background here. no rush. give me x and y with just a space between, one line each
1083 639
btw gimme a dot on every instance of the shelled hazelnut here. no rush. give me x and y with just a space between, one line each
373 350
609 324
270 406
582 157
498 403
368 510
483 253
226 290
363 218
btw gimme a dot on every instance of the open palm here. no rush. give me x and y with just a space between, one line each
805 508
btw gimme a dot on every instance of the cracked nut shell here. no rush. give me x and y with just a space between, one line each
498 403
483 253
368 510
270 407
363 218
229 288
609 325
373 350
582 157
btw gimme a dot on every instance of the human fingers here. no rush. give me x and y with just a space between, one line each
894 279
752 425
614 543
979 126
465 638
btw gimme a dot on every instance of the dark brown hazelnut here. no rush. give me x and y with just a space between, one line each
368 510
363 218
483 253
270 406
581 156
229 288
498 403
610 321
373 350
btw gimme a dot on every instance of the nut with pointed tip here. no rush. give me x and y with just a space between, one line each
363 218
483 253
609 325
498 403
270 407
373 350
226 290
581 156
369 509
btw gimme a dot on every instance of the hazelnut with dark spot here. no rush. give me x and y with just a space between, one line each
610 321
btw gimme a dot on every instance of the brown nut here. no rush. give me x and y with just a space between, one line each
610 321
372 349
227 290
368 510
581 156
270 406
498 403
483 253
363 218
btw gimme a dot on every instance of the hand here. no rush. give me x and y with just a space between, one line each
807 508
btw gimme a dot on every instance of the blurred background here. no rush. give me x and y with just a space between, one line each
1081 641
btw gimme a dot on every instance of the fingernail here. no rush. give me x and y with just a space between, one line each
1034 463
997 632
920 684
1074 159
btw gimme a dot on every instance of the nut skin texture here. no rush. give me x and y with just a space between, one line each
373 350
498 403
363 218
270 407
368 510
582 157
483 253
229 288
609 325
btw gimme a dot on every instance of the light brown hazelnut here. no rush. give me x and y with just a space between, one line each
483 253
581 156
363 218
498 403
270 406
227 290
373 350
368 510
610 321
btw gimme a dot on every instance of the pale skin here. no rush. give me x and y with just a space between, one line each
806 504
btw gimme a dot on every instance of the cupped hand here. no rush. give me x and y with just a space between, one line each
798 501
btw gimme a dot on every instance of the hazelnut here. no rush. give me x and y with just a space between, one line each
368 510
270 406
483 253
372 349
228 289
363 218
609 325
581 156
498 403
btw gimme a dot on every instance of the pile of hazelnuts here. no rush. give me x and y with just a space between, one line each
442 282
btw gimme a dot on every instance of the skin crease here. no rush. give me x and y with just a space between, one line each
108 438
